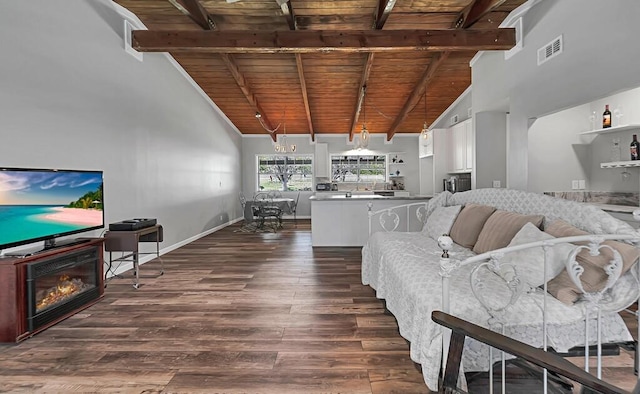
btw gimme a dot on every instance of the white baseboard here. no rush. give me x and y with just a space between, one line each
123 266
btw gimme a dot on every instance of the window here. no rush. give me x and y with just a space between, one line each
359 168
285 173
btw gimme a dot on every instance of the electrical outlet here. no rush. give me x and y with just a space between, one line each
496 183
582 184
575 185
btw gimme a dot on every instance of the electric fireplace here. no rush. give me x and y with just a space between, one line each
39 290
56 287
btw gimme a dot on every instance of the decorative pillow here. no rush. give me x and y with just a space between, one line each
467 227
529 263
500 228
593 278
441 220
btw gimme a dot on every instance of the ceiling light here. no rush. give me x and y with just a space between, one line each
424 134
282 146
364 133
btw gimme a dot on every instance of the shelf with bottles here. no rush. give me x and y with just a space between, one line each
611 129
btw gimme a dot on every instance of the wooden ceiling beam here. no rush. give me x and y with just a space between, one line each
287 11
383 10
416 94
305 97
382 13
361 94
322 41
474 11
196 12
470 15
246 90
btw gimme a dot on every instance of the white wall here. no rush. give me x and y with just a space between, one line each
556 154
70 97
459 108
555 147
490 148
599 59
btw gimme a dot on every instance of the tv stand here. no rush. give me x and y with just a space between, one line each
49 245
53 244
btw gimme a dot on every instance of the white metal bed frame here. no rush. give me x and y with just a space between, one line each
389 220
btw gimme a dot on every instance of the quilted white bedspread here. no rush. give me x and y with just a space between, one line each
404 269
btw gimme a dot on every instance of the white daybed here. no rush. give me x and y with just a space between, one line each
407 271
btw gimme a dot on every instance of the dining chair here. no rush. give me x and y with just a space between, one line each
264 210
294 208
274 194
248 214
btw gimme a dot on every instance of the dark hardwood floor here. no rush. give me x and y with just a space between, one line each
235 312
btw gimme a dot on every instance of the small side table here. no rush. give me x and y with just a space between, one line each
128 241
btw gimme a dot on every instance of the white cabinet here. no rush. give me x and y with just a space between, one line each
468 141
322 163
460 147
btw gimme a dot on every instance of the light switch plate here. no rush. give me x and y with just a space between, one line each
496 183
575 185
581 184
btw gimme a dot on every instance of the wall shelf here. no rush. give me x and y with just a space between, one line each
621 164
611 129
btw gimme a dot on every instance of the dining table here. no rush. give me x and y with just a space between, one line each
285 204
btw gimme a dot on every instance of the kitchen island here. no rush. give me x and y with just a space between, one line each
338 220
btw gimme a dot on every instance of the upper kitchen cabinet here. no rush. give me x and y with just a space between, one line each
460 147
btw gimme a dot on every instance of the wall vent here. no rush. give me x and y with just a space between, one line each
454 119
550 50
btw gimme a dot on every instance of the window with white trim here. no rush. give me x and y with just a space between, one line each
371 168
285 172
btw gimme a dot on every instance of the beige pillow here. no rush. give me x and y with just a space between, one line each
468 224
500 228
593 278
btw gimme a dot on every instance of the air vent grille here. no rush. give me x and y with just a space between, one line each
552 49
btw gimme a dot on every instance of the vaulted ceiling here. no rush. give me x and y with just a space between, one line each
321 67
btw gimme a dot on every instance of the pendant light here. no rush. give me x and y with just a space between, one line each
282 146
424 134
364 133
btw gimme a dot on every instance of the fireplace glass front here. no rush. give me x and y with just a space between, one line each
61 285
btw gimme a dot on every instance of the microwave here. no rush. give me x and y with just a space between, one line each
323 186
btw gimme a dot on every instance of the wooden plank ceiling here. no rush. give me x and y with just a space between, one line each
306 64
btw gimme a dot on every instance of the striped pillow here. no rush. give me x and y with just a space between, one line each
500 229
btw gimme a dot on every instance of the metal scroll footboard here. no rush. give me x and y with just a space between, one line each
593 301
391 219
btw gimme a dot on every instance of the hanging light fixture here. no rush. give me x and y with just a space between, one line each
424 134
364 133
282 146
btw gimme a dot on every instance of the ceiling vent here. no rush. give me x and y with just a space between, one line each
454 119
550 50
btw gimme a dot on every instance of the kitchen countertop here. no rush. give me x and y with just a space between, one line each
614 208
342 197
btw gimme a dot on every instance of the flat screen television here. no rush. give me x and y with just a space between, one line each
44 204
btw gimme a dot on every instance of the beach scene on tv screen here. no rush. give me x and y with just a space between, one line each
36 204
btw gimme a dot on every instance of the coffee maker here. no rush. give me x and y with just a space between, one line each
458 183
